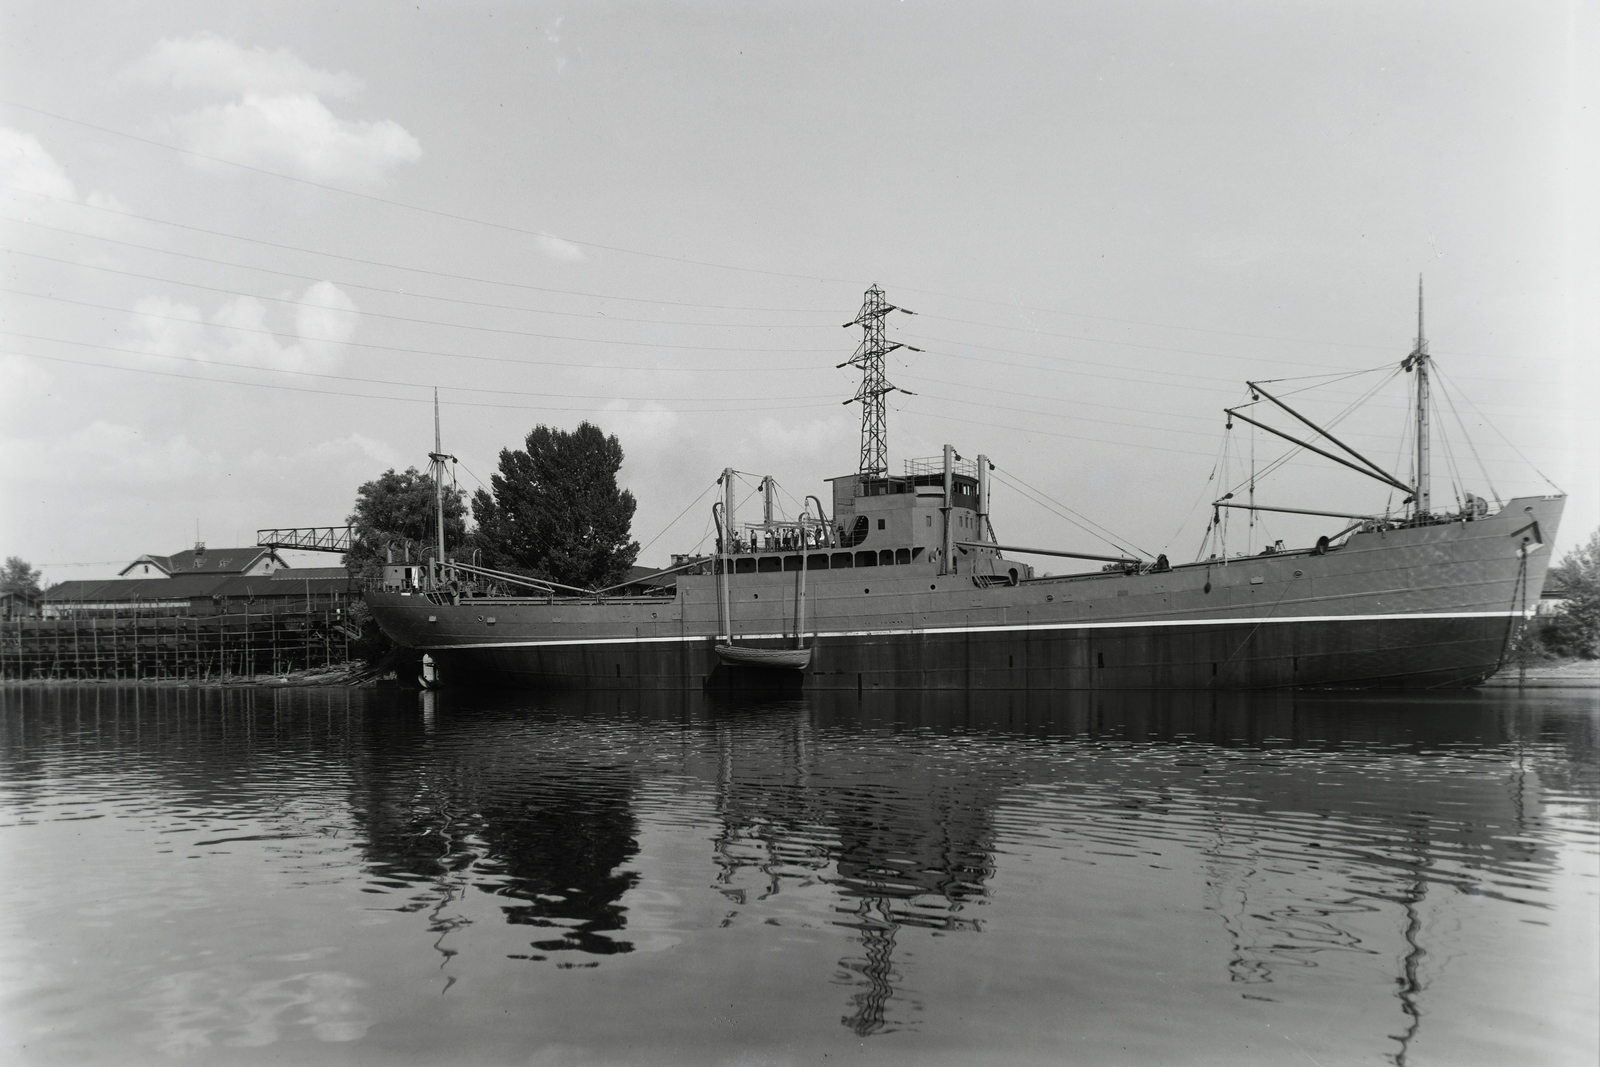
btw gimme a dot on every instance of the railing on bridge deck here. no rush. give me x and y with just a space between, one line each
308 538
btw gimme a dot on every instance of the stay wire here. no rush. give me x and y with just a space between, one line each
1502 436
674 522
1467 436
1104 534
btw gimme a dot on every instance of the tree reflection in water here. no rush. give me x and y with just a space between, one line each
486 802
1326 831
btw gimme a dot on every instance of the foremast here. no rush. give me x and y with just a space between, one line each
1418 362
436 471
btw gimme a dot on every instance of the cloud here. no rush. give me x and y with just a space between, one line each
27 168
207 61
107 452
276 119
353 452
297 134
325 319
556 248
24 164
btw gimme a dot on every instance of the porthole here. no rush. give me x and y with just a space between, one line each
1050 597
1298 573
866 590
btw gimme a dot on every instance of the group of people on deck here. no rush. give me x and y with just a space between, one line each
781 539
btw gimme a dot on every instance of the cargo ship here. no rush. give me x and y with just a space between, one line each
904 584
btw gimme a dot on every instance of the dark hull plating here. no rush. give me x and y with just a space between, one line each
1423 607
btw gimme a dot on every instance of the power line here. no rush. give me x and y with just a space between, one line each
370 288
413 321
400 266
409 385
371 396
419 208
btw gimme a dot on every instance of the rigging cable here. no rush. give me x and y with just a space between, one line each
1467 436
674 522
1103 535
1507 440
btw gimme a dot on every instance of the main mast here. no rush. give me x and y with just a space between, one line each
1418 361
436 460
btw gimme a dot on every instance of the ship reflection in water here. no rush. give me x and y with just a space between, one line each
631 877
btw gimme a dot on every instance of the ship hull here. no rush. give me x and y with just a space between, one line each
1422 607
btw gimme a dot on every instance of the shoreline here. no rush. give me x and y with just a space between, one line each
1566 674
346 676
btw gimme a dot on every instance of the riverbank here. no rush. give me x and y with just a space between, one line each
347 675
1559 674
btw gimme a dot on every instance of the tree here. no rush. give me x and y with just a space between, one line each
17 577
397 511
556 512
1577 577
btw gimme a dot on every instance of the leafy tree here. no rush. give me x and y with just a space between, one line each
394 509
556 512
1577 577
17 577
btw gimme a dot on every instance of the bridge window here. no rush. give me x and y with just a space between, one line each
744 565
866 559
768 564
819 562
902 555
840 559
794 563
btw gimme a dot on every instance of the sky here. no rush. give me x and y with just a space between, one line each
244 242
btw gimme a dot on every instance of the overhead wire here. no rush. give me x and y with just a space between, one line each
417 385
371 396
346 284
436 212
419 322
403 267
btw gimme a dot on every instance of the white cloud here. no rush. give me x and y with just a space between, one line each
27 168
276 119
556 248
24 164
207 61
298 134
106 452
325 319
353 452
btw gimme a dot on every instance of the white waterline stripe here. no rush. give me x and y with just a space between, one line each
1007 628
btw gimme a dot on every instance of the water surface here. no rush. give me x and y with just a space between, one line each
388 877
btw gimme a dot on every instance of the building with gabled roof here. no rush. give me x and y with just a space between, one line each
253 560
